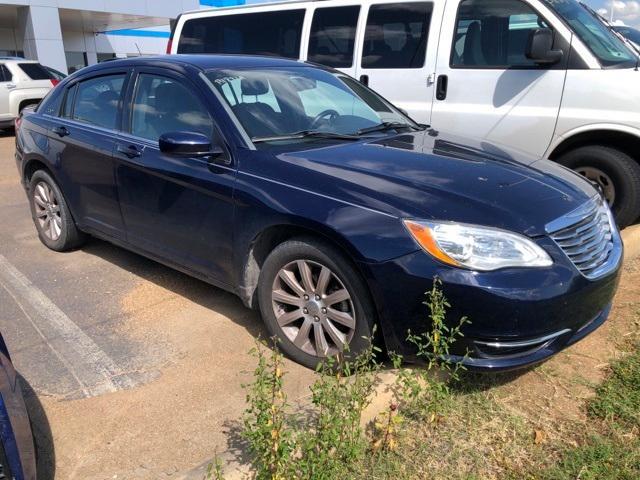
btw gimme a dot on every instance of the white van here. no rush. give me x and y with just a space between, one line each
547 77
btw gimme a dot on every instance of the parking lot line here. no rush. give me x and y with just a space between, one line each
95 372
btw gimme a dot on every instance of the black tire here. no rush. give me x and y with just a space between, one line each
623 171
318 254
69 236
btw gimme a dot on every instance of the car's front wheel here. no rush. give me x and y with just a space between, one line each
314 302
51 215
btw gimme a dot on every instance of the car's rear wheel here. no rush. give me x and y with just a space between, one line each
51 215
617 174
314 302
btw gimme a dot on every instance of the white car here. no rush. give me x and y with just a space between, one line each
22 83
546 77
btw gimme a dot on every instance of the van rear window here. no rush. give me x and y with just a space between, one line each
265 33
35 71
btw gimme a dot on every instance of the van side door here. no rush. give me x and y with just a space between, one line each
398 53
486 87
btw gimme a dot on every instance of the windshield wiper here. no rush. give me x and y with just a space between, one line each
305 134
386 126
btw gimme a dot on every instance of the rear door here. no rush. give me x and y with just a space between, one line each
6 85
398 53
486 87
84 137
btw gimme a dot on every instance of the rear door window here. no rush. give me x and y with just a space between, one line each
35 71
98 100
396 35
333 36
5 74
265 33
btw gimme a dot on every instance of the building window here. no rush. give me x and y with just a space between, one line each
333 35
270 33
396 35
105 57
75 61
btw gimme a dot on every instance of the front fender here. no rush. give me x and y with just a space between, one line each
594 127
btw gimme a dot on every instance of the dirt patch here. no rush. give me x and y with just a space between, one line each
182 418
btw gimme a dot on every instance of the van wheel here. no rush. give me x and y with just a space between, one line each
617 174
54 223
314 302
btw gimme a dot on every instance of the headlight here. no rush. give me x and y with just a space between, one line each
475 247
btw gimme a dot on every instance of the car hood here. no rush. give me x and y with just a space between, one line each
430 175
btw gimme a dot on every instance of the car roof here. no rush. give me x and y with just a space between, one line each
202 62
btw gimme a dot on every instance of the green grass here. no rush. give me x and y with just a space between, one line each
601 458
611 450
618 398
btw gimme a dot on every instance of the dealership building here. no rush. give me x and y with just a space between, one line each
70 34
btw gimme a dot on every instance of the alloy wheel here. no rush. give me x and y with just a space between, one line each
313 308
47 210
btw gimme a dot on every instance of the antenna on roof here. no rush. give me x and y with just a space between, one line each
139 52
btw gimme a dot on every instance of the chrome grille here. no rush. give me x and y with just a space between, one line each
589 240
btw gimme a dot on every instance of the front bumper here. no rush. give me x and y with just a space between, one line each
519 317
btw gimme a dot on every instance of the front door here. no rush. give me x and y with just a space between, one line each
486 87
398 53
179 209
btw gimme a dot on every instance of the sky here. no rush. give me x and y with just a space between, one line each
625 12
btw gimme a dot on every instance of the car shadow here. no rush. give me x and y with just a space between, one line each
45 450
197 291
6 133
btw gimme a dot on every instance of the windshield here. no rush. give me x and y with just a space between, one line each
301 101
631 33
610 50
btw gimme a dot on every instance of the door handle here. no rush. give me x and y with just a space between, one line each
442 87
364 79
11 86
61 131
130 151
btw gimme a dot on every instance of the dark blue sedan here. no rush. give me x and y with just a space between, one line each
17 450
321 204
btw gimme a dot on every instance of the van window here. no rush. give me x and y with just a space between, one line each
162 105
333 35
266 33
396 35
494 34
98 100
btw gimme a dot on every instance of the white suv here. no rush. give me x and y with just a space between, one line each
22 83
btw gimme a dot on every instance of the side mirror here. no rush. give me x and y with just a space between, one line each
540 47
188 144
